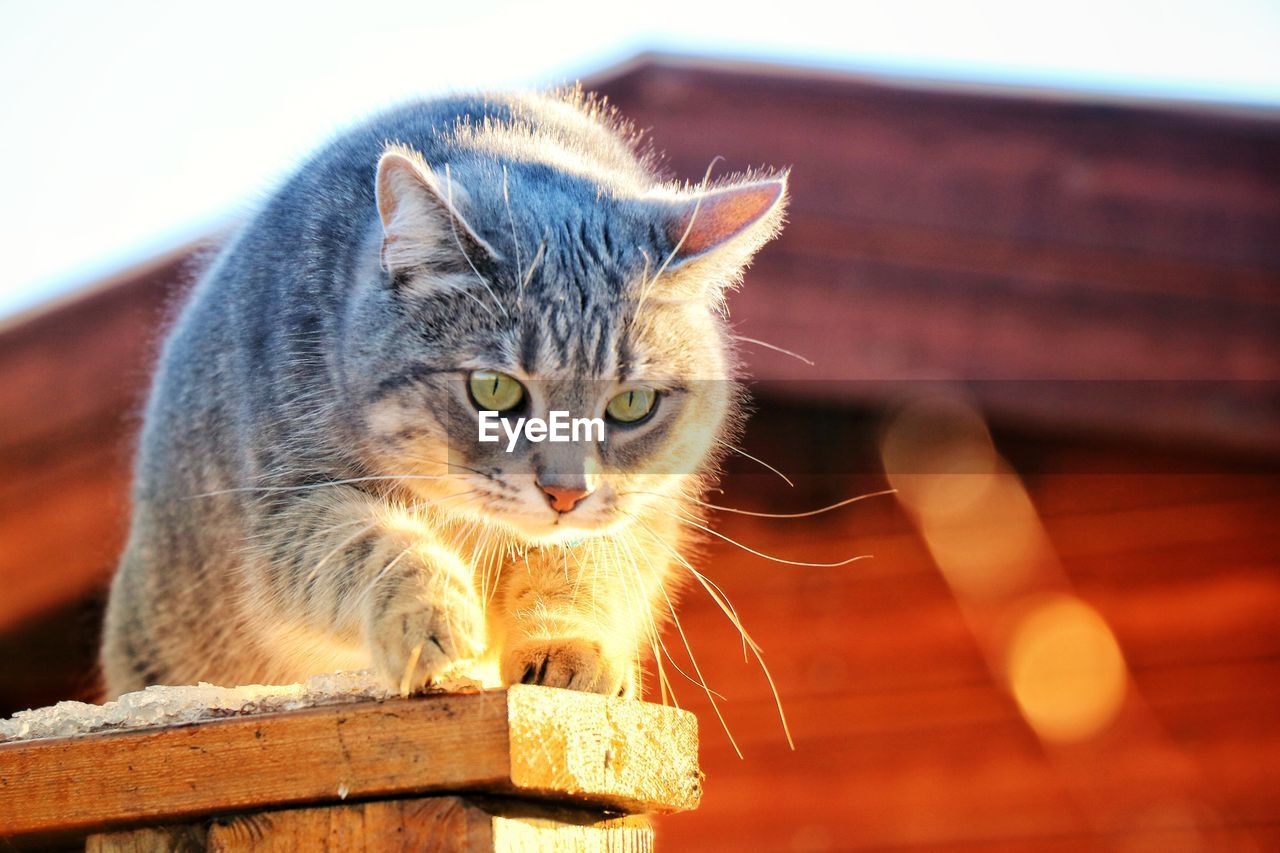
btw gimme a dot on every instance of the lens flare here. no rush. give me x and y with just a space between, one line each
1065 670
1062 664
938 454
972 511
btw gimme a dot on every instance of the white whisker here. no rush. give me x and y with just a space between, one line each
511 219
725 607
688 229
533 265
741 452
754 514
448 176
692 522
311 486
773 347
715 706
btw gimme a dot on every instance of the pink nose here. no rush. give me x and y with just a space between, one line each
564 499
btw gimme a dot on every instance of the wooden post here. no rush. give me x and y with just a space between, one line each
512 769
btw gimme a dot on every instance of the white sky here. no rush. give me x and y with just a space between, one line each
131 127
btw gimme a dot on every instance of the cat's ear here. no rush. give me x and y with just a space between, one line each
422 225
716 232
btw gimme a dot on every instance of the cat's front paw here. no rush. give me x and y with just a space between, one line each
570 662
414 642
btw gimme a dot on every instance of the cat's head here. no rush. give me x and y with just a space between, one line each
526 286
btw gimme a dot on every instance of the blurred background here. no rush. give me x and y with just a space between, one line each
1031 281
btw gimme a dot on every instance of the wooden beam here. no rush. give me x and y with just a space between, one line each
430 823
571 748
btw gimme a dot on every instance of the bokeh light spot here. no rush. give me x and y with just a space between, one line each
1066 671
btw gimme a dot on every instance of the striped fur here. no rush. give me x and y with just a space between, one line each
310 494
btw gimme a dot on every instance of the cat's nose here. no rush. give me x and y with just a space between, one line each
564 498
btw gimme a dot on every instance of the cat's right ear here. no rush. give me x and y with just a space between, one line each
422 222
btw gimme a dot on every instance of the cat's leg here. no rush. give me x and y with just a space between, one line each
581 617
169 619
125 660
362 572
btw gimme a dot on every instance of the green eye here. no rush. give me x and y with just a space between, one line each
493 391
632 406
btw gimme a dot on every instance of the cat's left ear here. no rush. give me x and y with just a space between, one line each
422 224
716 233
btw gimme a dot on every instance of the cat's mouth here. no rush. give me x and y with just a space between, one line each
561 527
545 525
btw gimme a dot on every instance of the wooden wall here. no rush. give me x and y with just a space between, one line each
905 739
934 235
939 234
72 381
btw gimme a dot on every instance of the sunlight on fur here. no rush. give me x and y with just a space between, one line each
312 491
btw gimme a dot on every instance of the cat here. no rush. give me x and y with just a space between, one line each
311 493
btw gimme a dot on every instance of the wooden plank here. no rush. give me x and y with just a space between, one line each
560 745
431 823
1221 339
1048 264
152 839
530 827
627 755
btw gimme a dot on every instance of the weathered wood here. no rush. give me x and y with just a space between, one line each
150 839
555 745
426 824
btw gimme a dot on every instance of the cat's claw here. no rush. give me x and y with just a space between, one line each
414 644
569 662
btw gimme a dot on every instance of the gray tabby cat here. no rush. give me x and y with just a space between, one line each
311 491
